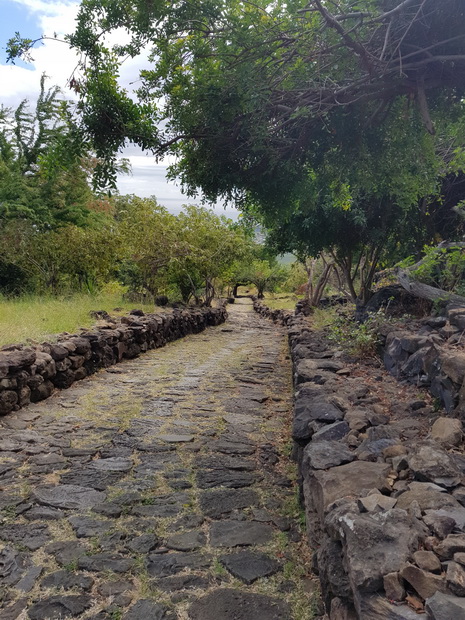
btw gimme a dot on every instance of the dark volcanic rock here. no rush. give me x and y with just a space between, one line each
430 462
67 580
216 503
232 533
332 432
445 607
32 536
92 478
66 552
183 582
326 454
163 565
225 478
229 604
105 561
148 610
68 496
186 541
85 527
249 566
57 607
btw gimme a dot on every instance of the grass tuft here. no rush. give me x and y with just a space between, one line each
32 318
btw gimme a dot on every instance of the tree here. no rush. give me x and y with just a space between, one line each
55 261
265 275
44 176
150 240
214 244
299 111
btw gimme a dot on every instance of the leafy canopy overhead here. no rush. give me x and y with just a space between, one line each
249 93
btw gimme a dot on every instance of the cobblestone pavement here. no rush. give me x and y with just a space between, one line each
159 489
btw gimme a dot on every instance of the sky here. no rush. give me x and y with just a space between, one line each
32 18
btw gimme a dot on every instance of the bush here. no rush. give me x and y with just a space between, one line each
361 340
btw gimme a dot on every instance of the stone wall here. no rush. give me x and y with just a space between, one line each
384 505
283 317
31 374
433 356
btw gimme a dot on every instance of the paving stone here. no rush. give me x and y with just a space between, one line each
148 610
143 544
57 607
92 478
112 464
115 588
183 582
217 503
226 462
26 583
186 541
225 478
68 496
66 552
173 438
45 513
12 565
108 509
167 564
33 536
106 561
249 566
14 611
64 579
86 527
229 604
232 447
230 533
157 510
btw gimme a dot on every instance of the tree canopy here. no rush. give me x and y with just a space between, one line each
341 119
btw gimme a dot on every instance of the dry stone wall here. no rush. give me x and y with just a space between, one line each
384 495
31 374
432 356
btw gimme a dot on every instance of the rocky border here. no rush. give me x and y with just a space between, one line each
283 317
432 356
31 374
384 511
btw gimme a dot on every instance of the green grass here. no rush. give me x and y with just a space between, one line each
33 318
284 301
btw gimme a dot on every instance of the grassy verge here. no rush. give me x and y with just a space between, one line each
33 318
284 301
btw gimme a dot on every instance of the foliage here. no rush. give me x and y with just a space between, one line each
213 243
296 279
442 268
265 275
358 339
43 172
68 259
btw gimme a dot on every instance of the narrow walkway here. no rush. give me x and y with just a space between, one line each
159 489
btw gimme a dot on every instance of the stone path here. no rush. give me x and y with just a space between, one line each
159 489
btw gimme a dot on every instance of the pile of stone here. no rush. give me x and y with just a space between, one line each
32 373
384 495
432 356
385 512
283 317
